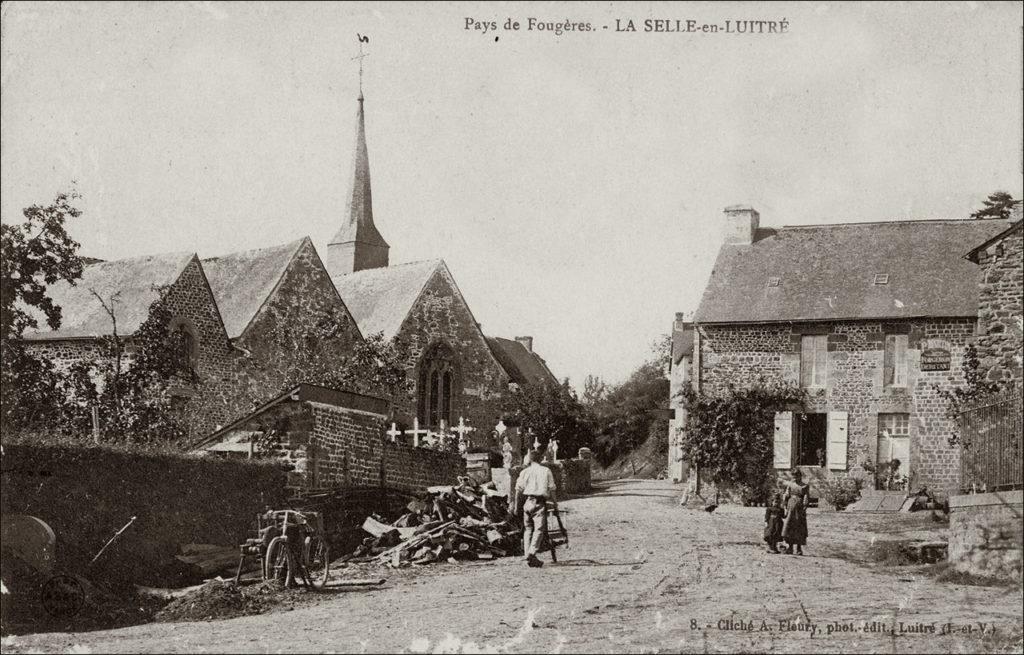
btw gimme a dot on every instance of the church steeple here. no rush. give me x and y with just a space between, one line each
358 245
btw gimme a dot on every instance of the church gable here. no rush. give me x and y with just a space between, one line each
303 303
454 371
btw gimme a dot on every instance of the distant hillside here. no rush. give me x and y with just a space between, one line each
644 462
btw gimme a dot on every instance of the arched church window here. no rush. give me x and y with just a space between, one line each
437 380
184 343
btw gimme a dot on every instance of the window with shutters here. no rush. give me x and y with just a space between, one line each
895 364
813 360
436 383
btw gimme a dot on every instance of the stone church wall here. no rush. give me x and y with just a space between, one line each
1001 289
441 315
742 354
215 362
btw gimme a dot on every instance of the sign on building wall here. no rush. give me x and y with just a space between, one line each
935 359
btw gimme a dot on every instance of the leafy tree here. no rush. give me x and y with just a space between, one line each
133 381
999 204
627 415
729 435
551 412
594 391
33 255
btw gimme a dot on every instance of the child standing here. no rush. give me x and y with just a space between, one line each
773 515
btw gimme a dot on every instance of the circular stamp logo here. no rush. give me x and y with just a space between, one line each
62 596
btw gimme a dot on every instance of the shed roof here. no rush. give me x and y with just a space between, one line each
242 281
522 366
301 392
132 283
827 272
379 299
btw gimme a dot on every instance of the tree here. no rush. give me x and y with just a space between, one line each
999 204
33 255
626 416
551 412
133 381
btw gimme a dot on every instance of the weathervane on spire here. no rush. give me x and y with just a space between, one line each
361 56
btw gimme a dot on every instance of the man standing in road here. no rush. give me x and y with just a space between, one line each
534 487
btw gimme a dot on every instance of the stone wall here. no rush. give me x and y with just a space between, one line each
745 353
441 315
985 533
572 476
1000 289
328 447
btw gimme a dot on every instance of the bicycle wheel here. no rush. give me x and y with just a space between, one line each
318 560
278 564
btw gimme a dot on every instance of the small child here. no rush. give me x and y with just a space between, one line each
773 515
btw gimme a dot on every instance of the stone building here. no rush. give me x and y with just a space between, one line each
1000 293
457 372
249 315
129 287
333 439
872 319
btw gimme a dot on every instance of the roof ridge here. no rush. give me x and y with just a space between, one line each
294 244
907 221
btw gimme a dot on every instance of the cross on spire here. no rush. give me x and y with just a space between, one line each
361 56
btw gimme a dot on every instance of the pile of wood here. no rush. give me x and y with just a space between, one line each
448 523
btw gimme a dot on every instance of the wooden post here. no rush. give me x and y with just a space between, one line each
95 424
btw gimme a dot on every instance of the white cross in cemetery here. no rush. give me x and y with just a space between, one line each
416 432
462 430
394 433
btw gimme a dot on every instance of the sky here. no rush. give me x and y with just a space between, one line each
573 183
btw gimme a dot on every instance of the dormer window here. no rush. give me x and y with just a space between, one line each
881 278
774 281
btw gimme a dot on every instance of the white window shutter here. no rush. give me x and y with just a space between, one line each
838 438
783 440
900 372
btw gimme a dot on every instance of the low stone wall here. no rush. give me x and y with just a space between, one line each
985 533
572 476
412 469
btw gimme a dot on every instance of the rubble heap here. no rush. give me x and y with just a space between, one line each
462 522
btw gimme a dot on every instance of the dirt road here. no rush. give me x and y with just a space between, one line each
641 575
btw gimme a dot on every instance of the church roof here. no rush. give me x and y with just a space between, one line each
358 224
833 272
379 299
522 366
242 281
133 281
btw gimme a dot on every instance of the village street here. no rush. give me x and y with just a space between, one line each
641 575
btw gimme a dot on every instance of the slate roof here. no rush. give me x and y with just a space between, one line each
522 366
826 272
301 392
379 299
132 279
242 281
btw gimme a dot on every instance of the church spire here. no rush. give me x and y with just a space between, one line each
358 245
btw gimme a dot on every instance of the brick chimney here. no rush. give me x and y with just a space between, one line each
527 342
741 223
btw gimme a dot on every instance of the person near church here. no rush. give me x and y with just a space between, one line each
773 517
794 528
534 488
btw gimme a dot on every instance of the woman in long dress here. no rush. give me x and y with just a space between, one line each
794 528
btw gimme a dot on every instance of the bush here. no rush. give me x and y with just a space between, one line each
841 492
